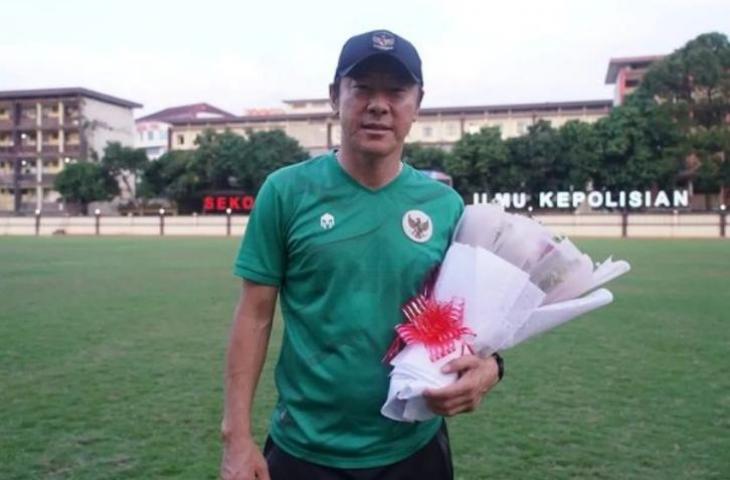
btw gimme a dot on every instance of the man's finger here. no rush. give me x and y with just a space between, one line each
262 473
455 408
461 387
461 363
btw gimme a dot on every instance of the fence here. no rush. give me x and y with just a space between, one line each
633 225
202 225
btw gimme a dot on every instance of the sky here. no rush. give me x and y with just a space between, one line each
240 55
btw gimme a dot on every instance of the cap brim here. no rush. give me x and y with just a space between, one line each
349 69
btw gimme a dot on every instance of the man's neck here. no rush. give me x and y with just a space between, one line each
371 172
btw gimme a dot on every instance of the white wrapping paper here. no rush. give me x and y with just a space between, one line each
516 280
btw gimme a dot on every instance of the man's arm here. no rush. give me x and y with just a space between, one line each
249 340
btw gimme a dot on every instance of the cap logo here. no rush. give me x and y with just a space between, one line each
383 41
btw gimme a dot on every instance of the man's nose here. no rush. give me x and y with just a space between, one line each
378 104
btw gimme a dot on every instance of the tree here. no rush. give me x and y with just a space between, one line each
639 148
479 163
83 183
124 163
425 158
174 176
263 153
578 146
693 83
692 87
536 158
222 161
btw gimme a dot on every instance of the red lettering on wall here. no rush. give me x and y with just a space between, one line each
220 203
208 203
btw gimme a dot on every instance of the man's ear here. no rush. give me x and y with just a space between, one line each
335 97
420 99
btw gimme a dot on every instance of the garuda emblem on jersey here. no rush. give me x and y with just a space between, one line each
417 226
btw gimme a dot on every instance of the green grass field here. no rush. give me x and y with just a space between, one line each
111 355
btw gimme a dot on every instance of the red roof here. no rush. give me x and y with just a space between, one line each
616 64
185 112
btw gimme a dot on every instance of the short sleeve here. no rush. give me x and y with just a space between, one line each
261 256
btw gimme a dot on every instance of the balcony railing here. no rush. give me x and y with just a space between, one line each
50 122
25 179
26 122
28 149
49 148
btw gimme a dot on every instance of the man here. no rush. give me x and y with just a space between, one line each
345 238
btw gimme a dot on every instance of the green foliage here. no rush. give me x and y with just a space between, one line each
85 182
425 158
639 148
692 88
222 161
125 163
537 157
174 176
693 83
480 162
578 157
263 153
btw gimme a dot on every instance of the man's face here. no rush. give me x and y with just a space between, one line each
377 103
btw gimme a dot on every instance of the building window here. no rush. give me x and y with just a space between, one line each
427 131
181 139
150 135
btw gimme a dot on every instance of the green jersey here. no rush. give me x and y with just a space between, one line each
345 259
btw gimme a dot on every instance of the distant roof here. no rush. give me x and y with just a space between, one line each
65 92
479 109
185 112
615 64
308 100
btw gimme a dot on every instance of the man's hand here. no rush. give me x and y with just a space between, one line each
476 377
242 460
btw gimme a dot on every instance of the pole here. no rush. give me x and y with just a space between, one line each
37 222
162 221
723 221
624 224
97 215
228 222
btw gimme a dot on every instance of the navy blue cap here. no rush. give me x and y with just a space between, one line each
379 42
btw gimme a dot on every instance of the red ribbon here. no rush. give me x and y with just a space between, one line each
437 325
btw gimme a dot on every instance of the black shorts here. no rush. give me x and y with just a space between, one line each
432 462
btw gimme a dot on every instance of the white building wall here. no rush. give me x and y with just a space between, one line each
152 136
104 123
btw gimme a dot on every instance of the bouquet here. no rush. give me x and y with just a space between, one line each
504 280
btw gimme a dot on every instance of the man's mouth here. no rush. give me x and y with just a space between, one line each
376 127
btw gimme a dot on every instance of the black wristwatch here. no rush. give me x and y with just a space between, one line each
500 365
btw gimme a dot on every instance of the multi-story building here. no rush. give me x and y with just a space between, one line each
153 130
41 131
626 74
312 123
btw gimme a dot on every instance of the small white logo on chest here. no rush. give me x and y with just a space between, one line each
327 221
417 226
